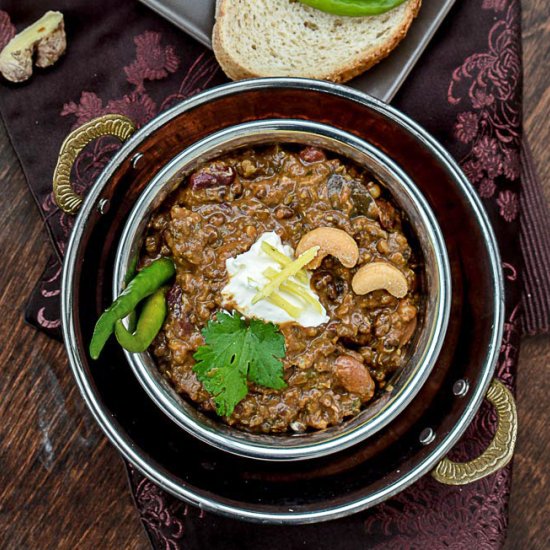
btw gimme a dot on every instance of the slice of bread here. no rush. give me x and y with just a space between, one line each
254 38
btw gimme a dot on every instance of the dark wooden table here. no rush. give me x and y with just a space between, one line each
62 485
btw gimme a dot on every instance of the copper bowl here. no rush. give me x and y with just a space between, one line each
372 470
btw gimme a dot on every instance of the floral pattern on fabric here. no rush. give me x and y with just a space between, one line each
90 106
508 203
488 81
163 516
491 130
137 105
157 515
485 98
153 61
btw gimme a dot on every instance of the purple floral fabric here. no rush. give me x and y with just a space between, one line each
489 81
471 79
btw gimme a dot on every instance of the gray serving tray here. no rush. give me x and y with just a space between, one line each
196 17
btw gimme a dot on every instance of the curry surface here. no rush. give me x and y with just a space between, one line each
218 212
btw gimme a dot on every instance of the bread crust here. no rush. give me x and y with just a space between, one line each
234 70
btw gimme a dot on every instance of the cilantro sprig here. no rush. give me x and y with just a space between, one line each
238 351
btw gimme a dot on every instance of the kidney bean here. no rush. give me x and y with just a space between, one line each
312 154
214 175
354 377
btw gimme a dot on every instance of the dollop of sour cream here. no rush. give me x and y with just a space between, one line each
246 278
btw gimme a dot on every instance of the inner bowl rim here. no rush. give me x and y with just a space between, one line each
268 446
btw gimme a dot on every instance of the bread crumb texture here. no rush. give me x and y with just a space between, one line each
287 38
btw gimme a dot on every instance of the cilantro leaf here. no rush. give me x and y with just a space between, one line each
234 352
265 368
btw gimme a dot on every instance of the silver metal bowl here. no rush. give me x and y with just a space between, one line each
415 443
436 281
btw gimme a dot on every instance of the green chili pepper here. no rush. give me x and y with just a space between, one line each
353 8
149 323
145 283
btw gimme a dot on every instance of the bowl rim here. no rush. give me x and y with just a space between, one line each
142 461
382 411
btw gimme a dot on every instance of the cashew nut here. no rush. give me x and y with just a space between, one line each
354 377
331 241
45 38
378 276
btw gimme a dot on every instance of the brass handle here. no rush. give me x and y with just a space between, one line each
108 125
498 453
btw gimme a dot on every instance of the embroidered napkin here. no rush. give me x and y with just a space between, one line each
466 90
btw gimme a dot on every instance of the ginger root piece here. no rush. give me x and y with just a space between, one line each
46 37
